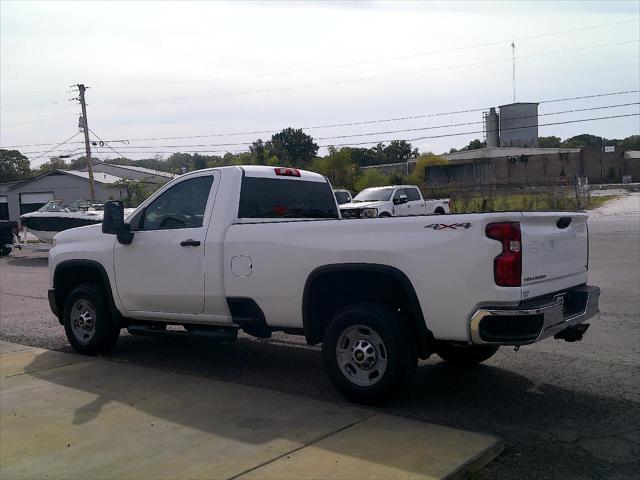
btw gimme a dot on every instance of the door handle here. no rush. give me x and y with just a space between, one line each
190 243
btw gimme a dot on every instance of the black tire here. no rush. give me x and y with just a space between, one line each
439 211
398 346
92 298
466 355
384 215
4 251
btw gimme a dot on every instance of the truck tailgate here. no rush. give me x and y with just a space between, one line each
555 250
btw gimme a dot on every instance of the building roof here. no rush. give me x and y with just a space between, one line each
495 152
150 171
518 103
98 177
635 154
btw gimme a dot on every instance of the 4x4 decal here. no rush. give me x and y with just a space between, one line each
452 226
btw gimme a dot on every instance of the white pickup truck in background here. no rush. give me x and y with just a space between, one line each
263 249
393 201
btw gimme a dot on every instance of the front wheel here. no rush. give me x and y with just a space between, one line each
369 352
465 355
87 320
4 250
384 215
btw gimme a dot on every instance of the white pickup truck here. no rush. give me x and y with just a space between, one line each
392 201
263 249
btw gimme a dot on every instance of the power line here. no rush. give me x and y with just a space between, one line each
374 61
391 131
365 122
58 145
480 131
105 143
352 144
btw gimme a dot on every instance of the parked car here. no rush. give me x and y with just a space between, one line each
342 196
393 201
263 249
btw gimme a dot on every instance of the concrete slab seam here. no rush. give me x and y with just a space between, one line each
257 467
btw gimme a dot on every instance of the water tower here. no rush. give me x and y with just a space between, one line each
518 125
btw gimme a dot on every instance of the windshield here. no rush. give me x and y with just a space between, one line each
374 194
53 206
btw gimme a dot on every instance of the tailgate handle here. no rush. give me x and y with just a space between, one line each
564 222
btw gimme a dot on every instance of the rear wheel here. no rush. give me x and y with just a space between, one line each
369 352
465 355
439 211
87 320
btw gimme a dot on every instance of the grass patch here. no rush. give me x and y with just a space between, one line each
524 202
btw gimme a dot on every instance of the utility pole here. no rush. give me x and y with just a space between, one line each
87 143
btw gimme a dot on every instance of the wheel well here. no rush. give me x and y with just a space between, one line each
70 274
439 211
331 288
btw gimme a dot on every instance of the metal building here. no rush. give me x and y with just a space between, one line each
518 125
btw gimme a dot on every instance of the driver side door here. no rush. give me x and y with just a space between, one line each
162 270
401 209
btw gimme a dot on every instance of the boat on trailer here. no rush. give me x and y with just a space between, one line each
53 218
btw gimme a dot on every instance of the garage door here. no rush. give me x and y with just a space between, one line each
4 207
30 202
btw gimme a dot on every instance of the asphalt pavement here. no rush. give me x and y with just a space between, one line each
564 410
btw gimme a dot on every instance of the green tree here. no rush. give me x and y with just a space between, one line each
631 143
134 192
54 163
473 145
427 159
399 151
549 142
338 167
13 165
293 147
370 178
584 140
259 152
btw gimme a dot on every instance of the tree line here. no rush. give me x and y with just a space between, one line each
345 167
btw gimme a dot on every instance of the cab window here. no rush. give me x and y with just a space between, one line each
182 206
412 194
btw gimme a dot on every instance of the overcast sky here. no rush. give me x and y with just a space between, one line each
164 69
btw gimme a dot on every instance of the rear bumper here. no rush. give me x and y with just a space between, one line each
535 319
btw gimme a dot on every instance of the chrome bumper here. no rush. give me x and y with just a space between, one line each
535 319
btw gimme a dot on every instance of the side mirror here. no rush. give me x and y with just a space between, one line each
113 219
113 222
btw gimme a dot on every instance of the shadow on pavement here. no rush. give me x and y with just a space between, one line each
484 399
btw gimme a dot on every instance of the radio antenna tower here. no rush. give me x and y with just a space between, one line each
513 57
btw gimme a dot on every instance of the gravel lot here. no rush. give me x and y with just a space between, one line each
564 410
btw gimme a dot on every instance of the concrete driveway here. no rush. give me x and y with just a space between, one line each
69 416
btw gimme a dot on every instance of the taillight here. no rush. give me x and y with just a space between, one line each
287 172
507 267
